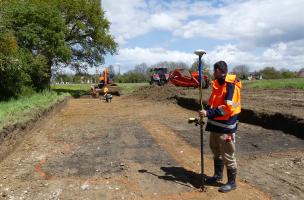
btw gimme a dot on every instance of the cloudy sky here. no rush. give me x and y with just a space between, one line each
258 33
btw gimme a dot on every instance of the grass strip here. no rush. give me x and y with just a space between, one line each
25 108
294 83
76 90
127 88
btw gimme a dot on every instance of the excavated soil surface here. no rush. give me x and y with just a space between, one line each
286 102
141 147
158 93
272 109
283 101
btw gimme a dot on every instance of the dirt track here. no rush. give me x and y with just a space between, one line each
133 149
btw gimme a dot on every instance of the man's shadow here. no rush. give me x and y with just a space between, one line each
181 176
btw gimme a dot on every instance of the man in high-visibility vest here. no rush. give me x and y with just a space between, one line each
108 97
105 90
223 108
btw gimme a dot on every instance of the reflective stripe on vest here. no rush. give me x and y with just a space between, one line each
235 105
215 123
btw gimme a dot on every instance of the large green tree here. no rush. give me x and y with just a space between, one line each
38 34
62 30
88 30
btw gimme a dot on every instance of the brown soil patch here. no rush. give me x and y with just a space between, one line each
131 149
12 135
158 93
188 157
287 102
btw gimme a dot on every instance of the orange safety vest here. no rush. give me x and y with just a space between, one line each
217 98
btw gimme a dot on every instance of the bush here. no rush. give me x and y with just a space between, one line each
270 73
38 70
288 74
20 72
13 77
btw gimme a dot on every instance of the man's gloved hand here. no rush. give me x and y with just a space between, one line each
203 113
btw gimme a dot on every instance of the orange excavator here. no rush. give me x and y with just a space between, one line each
104 84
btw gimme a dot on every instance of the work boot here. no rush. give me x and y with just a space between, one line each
230 185
218 172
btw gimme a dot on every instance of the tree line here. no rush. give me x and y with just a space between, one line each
243 72
38 36
142 72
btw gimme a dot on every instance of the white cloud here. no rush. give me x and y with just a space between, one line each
137 55
261 22
128 18
276 52
132 18
280 55
231 54
285 55
163 21
274 26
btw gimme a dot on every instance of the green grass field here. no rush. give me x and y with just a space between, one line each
76 90
23 109
127 88
82 87
294 83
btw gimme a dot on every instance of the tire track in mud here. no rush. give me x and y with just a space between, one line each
37 141
71 138
127 143
189 157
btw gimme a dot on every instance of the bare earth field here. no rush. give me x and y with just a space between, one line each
135 148
283 101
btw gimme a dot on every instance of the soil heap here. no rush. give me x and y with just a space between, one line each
158 93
